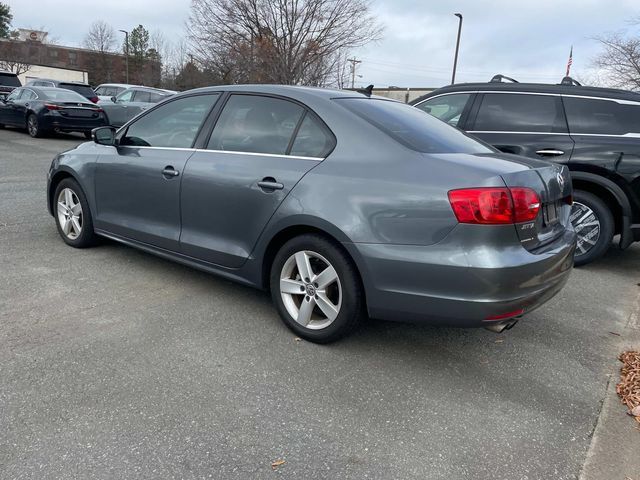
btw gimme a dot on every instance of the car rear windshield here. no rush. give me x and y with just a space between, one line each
413 127
84 90
62 95
10 80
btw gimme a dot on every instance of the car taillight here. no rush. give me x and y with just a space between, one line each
494 205
52 106
98 110
94 99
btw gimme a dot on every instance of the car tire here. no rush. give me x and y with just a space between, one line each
72 214
33 126
591 217
324 305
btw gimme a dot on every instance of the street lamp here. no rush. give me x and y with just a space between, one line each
455 60
126 47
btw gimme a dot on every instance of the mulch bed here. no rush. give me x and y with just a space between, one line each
629 387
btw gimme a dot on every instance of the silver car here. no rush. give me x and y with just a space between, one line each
131 102
343 205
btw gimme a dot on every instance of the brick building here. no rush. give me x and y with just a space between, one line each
31 49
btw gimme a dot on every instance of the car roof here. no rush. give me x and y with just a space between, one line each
125 85
51 89
65 82
150 89
560 89
293 91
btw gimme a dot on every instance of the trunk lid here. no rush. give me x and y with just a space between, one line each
552 183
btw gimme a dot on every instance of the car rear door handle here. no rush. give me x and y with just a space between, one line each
269 184
170 172
549 152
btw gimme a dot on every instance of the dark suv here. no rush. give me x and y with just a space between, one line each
8 81
594 131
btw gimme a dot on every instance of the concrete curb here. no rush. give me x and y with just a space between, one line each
613 453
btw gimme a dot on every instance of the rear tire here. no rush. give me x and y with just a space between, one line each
316 289
33 126
72 214
594 224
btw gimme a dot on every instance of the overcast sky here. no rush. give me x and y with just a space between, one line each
526 40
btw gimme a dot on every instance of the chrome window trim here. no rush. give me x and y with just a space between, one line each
464 92
183 149
606 99
627 135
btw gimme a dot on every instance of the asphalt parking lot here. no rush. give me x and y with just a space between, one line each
118 364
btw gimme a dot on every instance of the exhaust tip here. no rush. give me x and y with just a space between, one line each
501 327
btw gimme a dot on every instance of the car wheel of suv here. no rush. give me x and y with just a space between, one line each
593 222
316 289
73 217
33 127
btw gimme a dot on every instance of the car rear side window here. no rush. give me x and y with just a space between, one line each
142 96
604 117
256 124
447 108
313 139
515 112
10 80
174 124
412 127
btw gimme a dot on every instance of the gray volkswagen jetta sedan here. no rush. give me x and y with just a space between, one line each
341 204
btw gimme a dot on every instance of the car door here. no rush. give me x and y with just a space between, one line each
526 124
252 160
117 112
137 182
10 109
139 102
452 108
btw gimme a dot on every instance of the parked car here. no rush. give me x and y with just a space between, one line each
8 82
83 89
41 110
338 202
131 102
595 132
105 91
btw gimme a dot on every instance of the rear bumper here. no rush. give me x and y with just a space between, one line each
58 122
456 284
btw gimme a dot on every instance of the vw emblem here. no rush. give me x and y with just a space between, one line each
560 179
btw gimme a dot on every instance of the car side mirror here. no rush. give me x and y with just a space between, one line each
104 135
113 99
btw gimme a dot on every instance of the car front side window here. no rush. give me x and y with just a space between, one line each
125 96
447 108
174 124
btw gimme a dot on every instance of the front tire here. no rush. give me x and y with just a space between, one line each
594 225
316 289
73 217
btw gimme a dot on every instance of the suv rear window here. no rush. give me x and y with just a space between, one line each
10 80
412 127
84 90
587 115
516 112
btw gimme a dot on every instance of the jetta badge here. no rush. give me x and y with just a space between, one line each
560 180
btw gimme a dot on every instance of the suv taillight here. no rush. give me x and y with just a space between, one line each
495 205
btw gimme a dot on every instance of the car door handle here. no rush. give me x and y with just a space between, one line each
270 184
549 152
170 172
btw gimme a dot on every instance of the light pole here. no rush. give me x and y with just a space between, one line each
126 49
455 60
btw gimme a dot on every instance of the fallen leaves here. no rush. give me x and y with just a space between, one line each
629 387
277 463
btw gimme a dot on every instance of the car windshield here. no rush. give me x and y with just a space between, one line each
10 80
413 127
61 95
84 90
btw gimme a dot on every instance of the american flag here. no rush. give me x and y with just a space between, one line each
570 60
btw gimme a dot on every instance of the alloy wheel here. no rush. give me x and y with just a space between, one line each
69 213
587 227
310 289
32 125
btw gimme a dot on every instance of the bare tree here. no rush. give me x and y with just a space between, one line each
278 41
15 66
12 57
101 37
619 62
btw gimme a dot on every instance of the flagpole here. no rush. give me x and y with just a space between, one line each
570 62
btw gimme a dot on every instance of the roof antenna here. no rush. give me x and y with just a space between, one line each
570 81
366 91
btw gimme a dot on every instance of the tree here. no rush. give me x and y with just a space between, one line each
101 37
5 20
138 52
278 41
620 60
12 57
